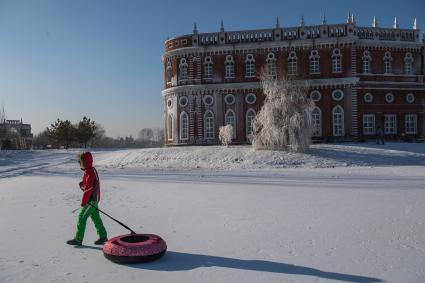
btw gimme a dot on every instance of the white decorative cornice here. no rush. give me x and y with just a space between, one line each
269 46
226 87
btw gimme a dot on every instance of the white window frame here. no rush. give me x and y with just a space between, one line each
388 68
369 124
249 66
408 63
183 72
316 122
334 92
314 62
169 72
230 119
227 96
389 98
410 98
205 100
184 126
250 95
292 63
229 65
271 66
336 61
208 68
249 123
368 95
367 59
338 121
181 99
209 125
411 124
315 92
390 124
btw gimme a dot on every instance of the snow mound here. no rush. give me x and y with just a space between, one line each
244 157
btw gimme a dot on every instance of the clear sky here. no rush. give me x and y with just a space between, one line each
102 58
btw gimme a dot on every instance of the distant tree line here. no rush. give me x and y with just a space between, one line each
88 133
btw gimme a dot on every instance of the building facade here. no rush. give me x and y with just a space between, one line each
15 135
360 78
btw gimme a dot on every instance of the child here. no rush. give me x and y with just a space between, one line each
91 196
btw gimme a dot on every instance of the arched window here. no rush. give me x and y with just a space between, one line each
408 62
314 62
183 69
316 120
271 66
230 119
169 72
336 61
184 126
208 68
292 63
388 62
338 121
209 125
366 61
170 127
250 66
250 117
230 67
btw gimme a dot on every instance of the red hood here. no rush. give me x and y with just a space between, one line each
88 160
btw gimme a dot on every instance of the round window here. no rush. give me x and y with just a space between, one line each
337 95
229 99
183 101
368 97
410 97
170 103
208 100
389 97
250 98
315 95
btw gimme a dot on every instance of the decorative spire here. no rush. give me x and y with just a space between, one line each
324 21
348 17
195 29
302 23
395 24
221 26
415 26
277 22
374 22
353 21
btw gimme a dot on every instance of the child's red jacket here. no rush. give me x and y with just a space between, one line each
90 182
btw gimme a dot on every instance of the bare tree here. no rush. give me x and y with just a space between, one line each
284 121
225 134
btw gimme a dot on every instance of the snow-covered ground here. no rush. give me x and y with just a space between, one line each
338 213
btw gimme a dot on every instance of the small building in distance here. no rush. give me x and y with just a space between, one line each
14 134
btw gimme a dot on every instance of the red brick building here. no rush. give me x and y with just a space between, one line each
361 78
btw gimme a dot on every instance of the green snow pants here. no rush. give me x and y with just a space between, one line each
86 212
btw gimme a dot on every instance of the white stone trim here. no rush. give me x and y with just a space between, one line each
211 88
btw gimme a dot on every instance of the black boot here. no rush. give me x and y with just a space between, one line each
74 242
101 241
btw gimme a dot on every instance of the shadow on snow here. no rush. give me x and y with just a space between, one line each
176 261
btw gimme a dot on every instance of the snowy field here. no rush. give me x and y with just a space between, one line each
338 213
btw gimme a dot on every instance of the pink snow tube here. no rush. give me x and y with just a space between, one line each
134 248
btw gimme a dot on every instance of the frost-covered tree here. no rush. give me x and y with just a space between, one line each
284 121
225 134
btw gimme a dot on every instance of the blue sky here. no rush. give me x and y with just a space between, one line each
66 59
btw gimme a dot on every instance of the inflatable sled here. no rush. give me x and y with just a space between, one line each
134 248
